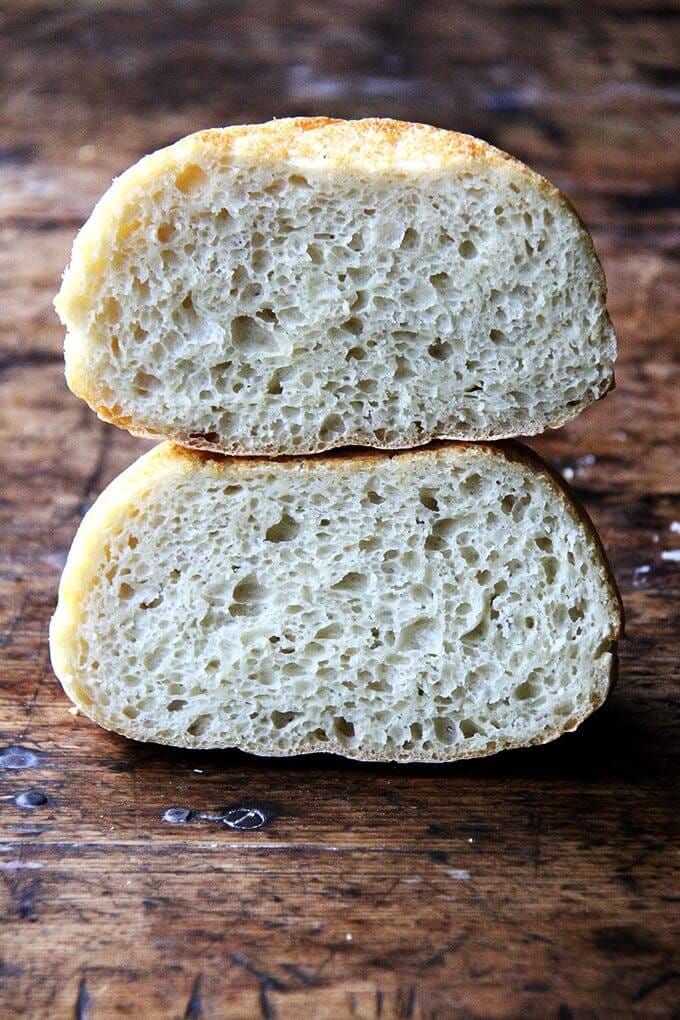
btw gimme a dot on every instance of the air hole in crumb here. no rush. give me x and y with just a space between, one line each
267 315
477 633
248 590
199 726
282 719
330 426
369 544
416 635
331 630
550 566
426 497
165 232
126 591
439 281
343 728
352 581
440 350
472 484
283 531
143 382
469 728
176 705
248 335
358 353
274 385
204 437
467 249
410 239
444 730
111 310
314 252
353 325
525 691
191 177
403 369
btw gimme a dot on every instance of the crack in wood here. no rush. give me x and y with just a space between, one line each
194 1008
650 987
91 483
29 359
406 1002
83 1000
42 224
267 982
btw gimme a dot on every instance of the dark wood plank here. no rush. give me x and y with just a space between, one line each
535 884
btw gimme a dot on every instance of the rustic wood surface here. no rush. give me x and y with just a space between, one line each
536 884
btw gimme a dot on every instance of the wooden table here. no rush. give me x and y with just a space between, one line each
535 884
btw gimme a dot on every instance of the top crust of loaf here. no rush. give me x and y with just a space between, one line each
373 146
166 461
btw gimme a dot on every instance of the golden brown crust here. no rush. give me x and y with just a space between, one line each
371 145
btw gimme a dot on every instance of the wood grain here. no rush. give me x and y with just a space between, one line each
535 884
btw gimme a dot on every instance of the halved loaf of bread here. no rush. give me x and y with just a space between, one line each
305 284
424 606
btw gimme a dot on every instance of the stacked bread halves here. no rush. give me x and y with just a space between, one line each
259 295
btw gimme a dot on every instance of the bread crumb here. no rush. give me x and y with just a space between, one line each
74 710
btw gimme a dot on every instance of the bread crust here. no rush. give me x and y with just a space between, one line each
126 490
380 146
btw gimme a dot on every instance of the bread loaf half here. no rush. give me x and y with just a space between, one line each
426 606
310 283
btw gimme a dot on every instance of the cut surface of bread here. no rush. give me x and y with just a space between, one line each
308 283
423 606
